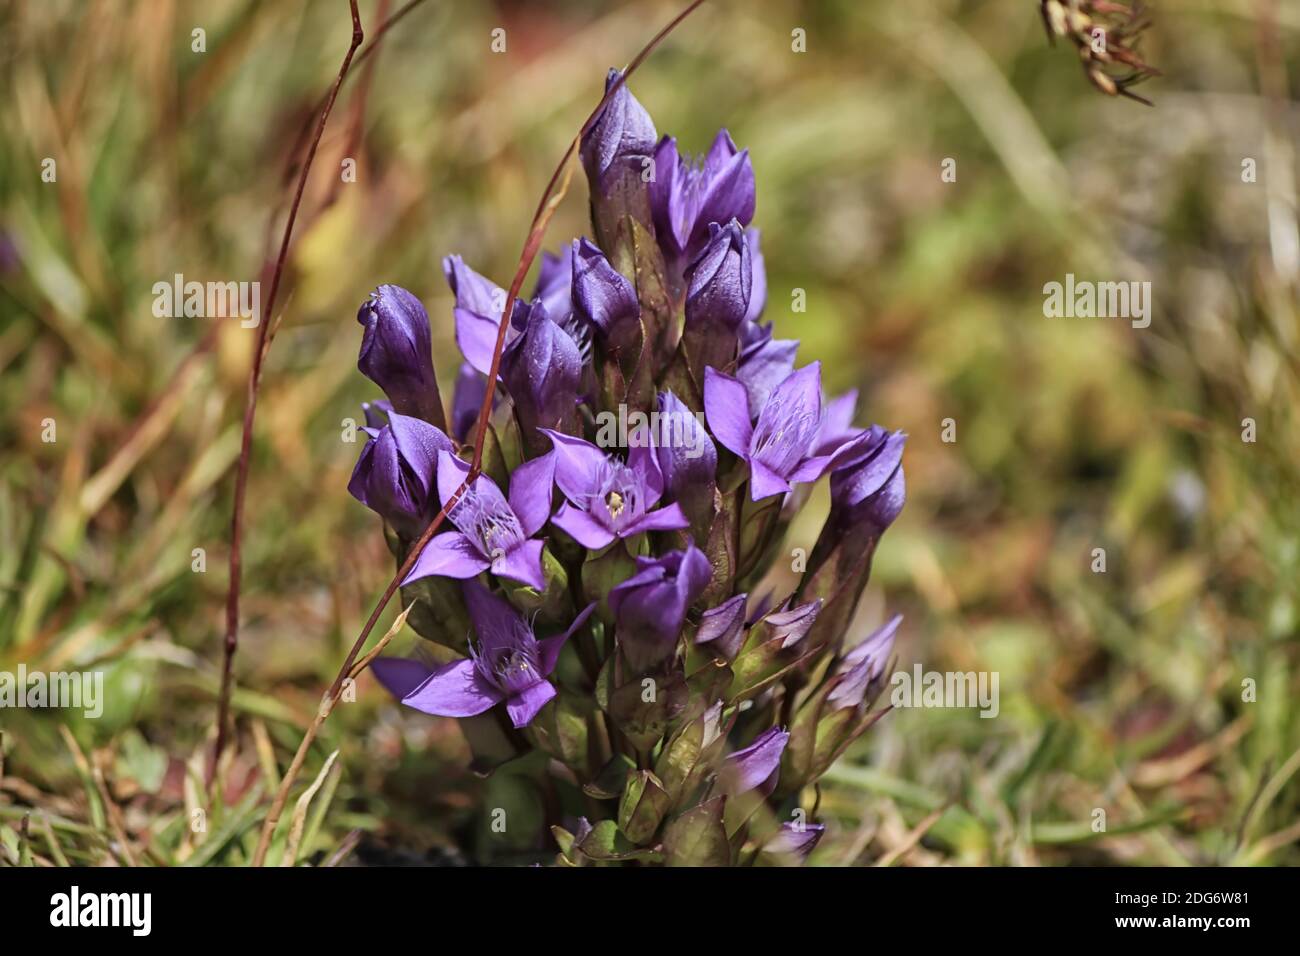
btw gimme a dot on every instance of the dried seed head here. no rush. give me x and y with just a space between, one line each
1106 35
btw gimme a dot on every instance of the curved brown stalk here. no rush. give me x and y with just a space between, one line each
321 109
555 190
250 401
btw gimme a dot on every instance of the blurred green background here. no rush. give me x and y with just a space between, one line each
1120 691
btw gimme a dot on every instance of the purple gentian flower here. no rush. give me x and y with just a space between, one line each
542 369
868 490
651 606
396 352
394 473
757 766
480 302
687 195
720 280
783 447
797 840
508 665
603 296
623 136
607 498
863 665
791 625
493 533
724 627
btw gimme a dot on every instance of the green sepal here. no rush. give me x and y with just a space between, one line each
643 806
698 837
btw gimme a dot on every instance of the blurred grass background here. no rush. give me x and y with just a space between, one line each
1120 691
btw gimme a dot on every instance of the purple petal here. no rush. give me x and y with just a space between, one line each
582 527
751 767
790 626
602 295
765 363
641 458
542 368
456 690
548 649
530 492
670 518
810 469
553 283
395 351
523 563
577 463
667 200
724 626
622 133
523 707
492 616
726 409
720 280
400 675
837 419
801 390
764 482
449 555
863 664
858 480
452 473
795 841
467 400
758 282
476 336
479 304
472 291
730 185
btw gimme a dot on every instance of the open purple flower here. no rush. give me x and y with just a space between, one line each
394 473
508 665
783 447
651 606
687 194
608 498
493 533
396 352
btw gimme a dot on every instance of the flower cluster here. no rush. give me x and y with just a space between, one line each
610 606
